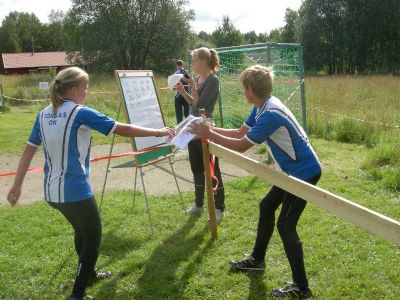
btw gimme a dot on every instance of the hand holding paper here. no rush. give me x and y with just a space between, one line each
173 80
184 133
201 129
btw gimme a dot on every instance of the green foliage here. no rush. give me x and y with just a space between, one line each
227 34
289 31
129 34
383 162
23 32
339 37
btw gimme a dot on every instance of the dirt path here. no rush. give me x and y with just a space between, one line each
158 178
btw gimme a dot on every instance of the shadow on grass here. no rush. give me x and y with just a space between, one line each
159 279
257 289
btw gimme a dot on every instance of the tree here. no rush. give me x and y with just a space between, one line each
19 32
227 34
202 39
321 33
128 33
288 34
250 37
53 35
349 36
275 35
262 37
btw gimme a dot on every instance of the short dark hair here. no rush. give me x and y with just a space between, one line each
179 63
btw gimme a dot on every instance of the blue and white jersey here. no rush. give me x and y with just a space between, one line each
288 144
66 138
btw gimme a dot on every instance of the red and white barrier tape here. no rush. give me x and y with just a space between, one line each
294 92
46 100
40 169
25 100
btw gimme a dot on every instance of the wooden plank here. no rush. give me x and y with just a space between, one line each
370 220
210 193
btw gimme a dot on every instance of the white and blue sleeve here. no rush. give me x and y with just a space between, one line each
264 127
35 138
251 119
96 120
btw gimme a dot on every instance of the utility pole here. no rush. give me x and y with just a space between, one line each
33 45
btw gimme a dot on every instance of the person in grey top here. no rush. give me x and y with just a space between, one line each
208 95
205 92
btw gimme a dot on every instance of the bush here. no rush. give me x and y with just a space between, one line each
383 162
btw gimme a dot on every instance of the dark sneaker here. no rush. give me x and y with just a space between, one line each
291 291
248 264
73 297
99 276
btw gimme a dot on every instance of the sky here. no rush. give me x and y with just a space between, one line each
247 15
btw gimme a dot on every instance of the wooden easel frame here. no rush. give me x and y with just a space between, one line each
137 163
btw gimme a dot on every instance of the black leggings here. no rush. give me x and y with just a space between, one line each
196 164
85 219
292 207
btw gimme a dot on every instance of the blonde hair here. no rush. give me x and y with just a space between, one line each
259 79
209 55
65 80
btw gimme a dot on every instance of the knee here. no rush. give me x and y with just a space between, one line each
265 208
282 229
287 232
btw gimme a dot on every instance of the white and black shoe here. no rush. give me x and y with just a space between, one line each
292 290
99 276
195 210
249 263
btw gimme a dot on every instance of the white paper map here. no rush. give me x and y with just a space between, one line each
183 132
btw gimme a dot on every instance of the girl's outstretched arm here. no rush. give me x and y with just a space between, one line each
24 162
137 131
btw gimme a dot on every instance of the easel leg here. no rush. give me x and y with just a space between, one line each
134 188
145 199
176 182
108 162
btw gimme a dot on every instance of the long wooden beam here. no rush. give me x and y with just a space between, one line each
370 220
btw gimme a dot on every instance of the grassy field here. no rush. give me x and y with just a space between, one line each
370 98
179 261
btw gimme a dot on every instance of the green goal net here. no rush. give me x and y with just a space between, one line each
287 61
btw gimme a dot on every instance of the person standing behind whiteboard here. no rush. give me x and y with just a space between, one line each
64 128
180 102
271 122
205 92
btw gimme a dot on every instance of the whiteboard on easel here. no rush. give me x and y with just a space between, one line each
141 104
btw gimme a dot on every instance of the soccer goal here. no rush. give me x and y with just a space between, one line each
287 60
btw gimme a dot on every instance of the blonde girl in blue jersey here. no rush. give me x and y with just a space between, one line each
64 129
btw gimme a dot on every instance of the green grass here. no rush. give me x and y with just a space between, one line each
179 261
372 98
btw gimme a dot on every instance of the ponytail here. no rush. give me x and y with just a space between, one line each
210 56
55 98
214 61
65 80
